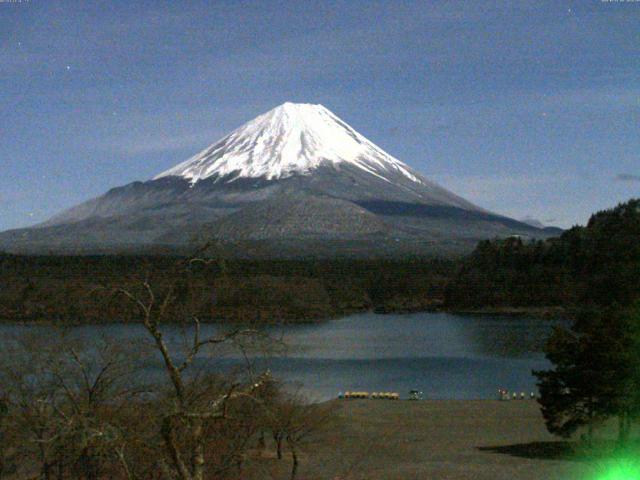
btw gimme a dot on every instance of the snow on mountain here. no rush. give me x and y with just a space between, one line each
293 138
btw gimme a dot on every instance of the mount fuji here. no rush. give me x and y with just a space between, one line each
296 180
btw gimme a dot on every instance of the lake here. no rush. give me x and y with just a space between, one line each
445 356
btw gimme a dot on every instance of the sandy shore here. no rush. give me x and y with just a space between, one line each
476 440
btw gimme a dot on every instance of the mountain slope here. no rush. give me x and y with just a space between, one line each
297 172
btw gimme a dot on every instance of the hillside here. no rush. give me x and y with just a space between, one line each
597 264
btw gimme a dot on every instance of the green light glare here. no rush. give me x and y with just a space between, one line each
621 470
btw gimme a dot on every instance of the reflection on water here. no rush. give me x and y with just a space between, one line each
444 355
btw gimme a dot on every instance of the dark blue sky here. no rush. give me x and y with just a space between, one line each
524 107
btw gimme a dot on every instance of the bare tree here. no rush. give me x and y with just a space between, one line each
307 420
62 396
190 410
294 421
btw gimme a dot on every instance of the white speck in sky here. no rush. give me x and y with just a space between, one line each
68 67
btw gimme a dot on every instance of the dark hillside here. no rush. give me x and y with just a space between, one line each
598 264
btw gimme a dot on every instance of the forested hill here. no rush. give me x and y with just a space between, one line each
598 264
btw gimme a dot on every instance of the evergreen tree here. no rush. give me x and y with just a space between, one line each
568 393
596 373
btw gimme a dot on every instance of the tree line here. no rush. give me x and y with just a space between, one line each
593 265
62 288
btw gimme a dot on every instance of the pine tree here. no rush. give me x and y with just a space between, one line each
568 393
596 373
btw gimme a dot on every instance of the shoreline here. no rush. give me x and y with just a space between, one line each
542 313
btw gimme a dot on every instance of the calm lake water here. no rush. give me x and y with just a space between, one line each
443 355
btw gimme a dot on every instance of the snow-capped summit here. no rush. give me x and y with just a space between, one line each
293 138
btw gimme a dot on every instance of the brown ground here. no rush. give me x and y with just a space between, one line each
478 440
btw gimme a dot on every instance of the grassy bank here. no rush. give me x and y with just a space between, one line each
449 439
